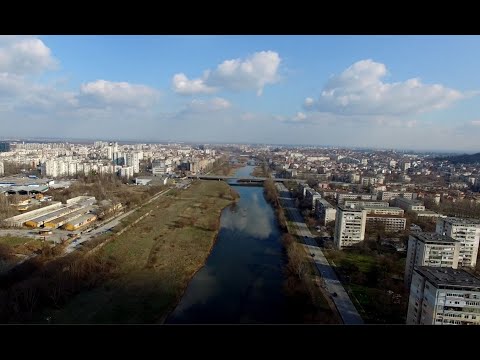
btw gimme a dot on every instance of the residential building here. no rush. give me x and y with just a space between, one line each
325 211
430 249
391 223
409 205
4 147
366 203
443 296
381 210
389 195
2 169
349 226
467 231
341 197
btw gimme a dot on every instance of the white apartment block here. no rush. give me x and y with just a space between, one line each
365 204
430 249
132 159
409 205
341 197
126 171
392 223
381 210
366 181
443 296
2 169
349 226
389 195
467 231
325 211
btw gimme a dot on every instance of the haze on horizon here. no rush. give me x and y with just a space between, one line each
415 92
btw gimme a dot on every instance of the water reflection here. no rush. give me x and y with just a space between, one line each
252 219
242 279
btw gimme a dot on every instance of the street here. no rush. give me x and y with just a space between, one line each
110 224
342 301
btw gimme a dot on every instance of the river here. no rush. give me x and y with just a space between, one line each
242 280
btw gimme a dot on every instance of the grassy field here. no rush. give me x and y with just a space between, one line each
374 282
14 240
155 258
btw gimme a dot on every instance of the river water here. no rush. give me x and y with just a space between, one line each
242 280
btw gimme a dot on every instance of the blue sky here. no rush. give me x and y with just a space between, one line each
415 92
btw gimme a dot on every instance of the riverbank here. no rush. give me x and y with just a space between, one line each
154 260
307 302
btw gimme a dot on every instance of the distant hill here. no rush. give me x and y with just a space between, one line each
463 159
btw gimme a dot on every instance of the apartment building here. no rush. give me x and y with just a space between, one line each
430 249
389 195
2 169
409 205
366 203
325 211
467 231
391 223
349 226
341 197
443 296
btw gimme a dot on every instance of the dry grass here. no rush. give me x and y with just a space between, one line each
155 258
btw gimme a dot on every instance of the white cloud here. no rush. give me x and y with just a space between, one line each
252 73
215 104
309 103
25 56
106 93
359 90
299 117
182 85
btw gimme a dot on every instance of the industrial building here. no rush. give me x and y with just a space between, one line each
443 296
80 221
53 215
430 249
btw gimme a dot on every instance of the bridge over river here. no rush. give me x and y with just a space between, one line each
247 179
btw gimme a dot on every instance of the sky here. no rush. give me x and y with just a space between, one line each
403 92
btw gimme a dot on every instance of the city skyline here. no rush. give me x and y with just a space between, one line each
403 92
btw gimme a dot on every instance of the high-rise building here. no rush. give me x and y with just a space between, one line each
132 159
443 296
430 249
349 226
4 146
467 231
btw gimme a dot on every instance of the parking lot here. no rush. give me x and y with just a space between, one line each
56 236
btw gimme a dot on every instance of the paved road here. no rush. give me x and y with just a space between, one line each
342 301
105 227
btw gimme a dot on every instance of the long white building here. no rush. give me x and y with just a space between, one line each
467 231
430 249
349 226
443 296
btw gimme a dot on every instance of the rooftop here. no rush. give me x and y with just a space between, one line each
461 221
432 237
350 208
445 276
